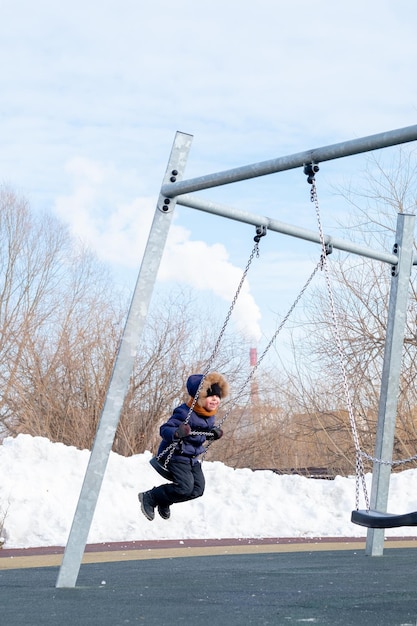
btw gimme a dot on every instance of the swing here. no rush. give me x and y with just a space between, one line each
363 517
375 519
162 468
163 471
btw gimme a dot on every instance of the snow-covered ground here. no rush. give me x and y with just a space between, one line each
40 484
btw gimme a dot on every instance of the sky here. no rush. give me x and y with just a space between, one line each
93 93
41 481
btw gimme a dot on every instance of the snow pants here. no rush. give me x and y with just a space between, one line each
188 483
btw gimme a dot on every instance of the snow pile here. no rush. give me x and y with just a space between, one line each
41 481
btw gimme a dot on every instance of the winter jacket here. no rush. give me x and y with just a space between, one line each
188 447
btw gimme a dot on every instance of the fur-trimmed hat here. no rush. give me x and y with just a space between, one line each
214 384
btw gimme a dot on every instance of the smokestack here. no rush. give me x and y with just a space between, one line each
253 359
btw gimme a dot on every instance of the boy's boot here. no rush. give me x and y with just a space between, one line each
164 511
147 505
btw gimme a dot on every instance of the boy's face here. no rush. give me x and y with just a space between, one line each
211 403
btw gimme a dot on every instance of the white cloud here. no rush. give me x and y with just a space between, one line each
115 229
118 235
207 267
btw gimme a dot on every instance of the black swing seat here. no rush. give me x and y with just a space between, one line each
163 471
375 519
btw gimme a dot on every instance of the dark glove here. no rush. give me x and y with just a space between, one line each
217 433
182 431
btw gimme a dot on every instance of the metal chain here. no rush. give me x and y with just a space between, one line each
271 342
410 459
360 472
255 251
169 451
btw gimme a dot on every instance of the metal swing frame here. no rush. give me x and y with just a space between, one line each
174 191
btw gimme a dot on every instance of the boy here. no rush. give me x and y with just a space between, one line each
188 478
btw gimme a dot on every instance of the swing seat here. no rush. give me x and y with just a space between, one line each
375 519
163 471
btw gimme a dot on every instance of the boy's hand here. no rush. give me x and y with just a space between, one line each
182 431
217 433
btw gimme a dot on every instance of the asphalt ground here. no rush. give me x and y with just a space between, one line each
232 583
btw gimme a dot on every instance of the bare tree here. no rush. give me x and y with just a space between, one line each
59 328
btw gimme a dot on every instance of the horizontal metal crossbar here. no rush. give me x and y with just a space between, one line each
292 161
195 202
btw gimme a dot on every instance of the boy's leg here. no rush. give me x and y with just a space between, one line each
189 483
199 481
180 489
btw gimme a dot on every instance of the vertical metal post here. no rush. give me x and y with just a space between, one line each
122 370
391 376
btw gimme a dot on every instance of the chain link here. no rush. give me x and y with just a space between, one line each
393 463
360 472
